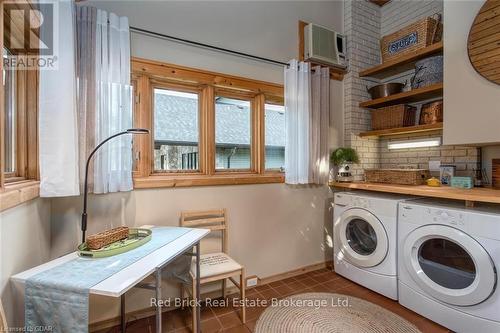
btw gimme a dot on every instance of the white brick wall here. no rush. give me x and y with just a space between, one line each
364 25
465 158
398 13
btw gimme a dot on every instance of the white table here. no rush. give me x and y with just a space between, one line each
119 283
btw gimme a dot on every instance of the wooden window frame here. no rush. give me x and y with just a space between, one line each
158 84
273 100
249 97
23 184
148 73
26 123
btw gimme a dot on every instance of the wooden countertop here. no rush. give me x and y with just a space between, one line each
489 195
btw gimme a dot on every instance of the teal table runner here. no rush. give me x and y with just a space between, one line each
59 297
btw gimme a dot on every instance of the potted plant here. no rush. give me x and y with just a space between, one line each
343 158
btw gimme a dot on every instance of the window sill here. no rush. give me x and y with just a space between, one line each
159 181
16 193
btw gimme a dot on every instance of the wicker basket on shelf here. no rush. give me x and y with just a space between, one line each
98 241
397 176
431 113
411 38
393 116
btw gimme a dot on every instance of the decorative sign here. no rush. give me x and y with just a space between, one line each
484 41
403 43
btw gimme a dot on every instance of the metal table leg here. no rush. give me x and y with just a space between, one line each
123 321
158 298
198 286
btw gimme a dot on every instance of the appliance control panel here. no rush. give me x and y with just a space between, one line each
350 201
442 216
361 202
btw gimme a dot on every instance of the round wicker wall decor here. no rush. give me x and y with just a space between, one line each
483 44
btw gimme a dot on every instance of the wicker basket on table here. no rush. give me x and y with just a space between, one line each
100 240
411 38
393 116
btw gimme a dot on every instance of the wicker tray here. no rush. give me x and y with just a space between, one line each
393 116
136 238
397 176
410 39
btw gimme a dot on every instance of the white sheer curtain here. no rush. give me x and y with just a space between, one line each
307 100
96 103
297 110
113 164
86 30
320 123
57 127
104 98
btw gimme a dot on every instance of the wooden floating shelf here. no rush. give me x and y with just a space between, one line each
401 64
412 96
403 130
444 192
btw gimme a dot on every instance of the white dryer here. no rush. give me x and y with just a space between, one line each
364 246
448 260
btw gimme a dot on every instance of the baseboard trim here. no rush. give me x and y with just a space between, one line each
295 272
150 311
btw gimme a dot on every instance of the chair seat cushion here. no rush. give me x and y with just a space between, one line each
212 264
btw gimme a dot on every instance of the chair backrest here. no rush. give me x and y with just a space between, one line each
215 220
3 319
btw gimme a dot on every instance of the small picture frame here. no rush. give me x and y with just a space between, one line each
446 172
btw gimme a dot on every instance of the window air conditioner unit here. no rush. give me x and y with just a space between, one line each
324 46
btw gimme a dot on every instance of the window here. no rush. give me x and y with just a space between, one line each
233 128
19 169
9 87
176 130
275 136
207 128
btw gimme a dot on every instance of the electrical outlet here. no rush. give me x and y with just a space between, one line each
252 281
434 165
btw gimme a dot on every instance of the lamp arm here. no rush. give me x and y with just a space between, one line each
85 186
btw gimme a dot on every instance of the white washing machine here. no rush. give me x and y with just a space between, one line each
448 259
364 246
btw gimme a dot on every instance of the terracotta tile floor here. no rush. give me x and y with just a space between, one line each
226 319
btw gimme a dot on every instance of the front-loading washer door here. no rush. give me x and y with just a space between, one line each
449 265
361 237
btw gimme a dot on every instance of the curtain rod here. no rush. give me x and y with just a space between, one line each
206 46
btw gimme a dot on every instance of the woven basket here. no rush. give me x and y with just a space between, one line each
393 116
397 176
431 113
97 241
495 171
410 39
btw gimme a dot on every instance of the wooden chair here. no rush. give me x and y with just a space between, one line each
3 320
218 266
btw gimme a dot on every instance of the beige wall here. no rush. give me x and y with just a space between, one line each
24 243
470 118
471 103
